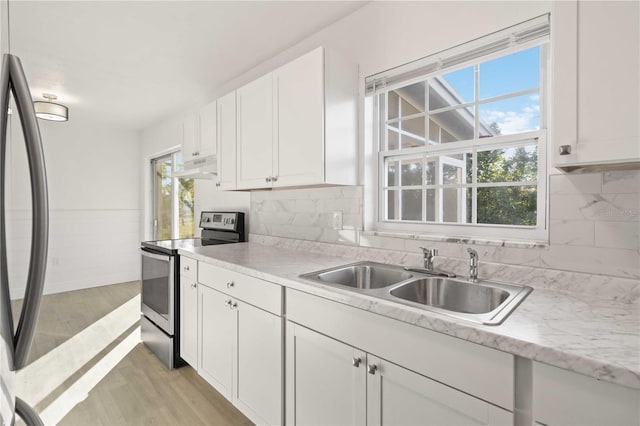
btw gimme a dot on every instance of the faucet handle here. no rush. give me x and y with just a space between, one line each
429 252
472 252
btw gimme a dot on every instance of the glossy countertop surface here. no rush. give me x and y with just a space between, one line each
586 334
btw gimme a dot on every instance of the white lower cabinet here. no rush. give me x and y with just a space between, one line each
561 397
332 383
217 339
189 310
397 396
326 380
240 344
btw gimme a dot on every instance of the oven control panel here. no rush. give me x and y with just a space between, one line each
219 220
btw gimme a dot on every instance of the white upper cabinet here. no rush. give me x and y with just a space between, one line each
226 178
255 134
189 138
596 83
199 134
311 138
299 92
208 131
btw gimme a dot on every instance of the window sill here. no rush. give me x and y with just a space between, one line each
462 240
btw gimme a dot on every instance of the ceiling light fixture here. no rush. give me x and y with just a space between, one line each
49 110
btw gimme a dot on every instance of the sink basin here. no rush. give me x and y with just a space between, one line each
488 303
363 275
456 296
485 302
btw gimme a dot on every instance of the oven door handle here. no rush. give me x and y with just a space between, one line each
155 256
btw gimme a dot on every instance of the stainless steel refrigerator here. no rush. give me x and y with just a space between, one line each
16 338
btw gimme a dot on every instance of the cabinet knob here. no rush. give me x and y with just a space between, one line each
356 361
186 268
565 149
267 179
233 305
230 284
274 178
217 184
227 303
371 369
194 285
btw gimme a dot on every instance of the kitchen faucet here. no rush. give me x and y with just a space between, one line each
429 254
473 265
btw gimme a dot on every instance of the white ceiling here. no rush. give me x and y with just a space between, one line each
132 63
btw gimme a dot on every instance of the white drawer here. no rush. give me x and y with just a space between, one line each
262 294
189 268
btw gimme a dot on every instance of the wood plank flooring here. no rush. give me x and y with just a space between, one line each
139 390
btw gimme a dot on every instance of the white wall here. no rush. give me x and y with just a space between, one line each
94 205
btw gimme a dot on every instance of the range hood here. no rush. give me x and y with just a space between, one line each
200 168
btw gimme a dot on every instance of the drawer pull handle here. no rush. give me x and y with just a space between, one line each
356 361
230 284
372 368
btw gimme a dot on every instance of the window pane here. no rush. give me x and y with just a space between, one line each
411 99
515 164
513 205
431 205
456 168
392 136
412 204
432 170
413 132
412 172
392 105
392 173
393 205
456 205
163 193
511 73
186 222
510 116
457 124
453 88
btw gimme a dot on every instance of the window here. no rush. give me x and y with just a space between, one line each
173 199
462 148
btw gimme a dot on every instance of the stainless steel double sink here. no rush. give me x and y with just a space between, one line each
484 302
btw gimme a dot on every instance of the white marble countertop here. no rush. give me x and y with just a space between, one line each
580 333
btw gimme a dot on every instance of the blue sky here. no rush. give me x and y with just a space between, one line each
500 76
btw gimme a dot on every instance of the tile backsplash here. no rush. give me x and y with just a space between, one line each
594 228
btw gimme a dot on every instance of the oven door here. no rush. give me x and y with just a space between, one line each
158 289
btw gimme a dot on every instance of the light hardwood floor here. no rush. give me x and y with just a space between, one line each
139 390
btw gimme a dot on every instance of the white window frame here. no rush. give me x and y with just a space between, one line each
538 233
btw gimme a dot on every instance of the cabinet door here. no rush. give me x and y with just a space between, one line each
255 133
299 152
326 380
259 376
597 82
217 339
227 142
396 396
208 130
189 321
190 138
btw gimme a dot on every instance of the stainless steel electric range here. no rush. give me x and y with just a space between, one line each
159 321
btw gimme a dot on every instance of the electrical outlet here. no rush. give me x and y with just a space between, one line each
337 221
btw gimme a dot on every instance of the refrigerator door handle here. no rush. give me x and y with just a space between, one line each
40 205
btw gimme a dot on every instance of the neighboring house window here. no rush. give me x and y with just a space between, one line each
173 199
462 147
